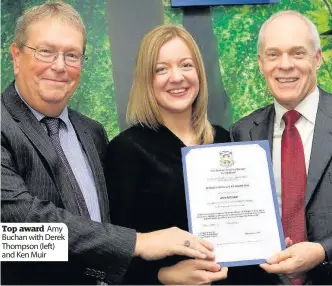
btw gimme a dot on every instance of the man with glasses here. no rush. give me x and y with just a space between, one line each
51 159
72 59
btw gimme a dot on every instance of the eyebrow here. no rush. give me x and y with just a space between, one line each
45 44
71 48
291 49
298 48
165 63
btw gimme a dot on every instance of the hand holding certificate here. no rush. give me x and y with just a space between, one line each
231 200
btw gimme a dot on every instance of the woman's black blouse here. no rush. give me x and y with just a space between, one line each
146 189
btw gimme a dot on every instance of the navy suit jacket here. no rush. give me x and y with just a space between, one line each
318 199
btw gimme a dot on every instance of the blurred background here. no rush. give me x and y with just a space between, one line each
227 36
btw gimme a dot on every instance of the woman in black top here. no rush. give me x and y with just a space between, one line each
167 110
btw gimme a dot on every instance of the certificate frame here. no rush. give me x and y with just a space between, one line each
264 144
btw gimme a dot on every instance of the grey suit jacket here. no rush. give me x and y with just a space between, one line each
318 201
32 190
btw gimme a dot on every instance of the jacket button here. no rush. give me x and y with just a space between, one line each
103 275
87 271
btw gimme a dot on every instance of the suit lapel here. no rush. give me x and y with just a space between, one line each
91 152
263 127
321 151
38 137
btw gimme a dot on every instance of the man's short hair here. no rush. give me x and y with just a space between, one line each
313 33
59 10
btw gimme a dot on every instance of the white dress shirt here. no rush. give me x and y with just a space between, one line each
305 125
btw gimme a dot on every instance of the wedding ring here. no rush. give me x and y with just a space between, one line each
187 243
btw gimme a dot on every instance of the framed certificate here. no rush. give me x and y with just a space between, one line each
232 202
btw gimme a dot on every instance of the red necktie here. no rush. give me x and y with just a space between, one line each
293 182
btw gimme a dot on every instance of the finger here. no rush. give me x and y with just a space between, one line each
224 270
211 258
206 265
206 244
288 266
288 242
284 267
274 268
220 275
277 258
187 251
196 244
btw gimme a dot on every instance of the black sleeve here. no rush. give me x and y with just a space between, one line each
125 163
122 178
122 173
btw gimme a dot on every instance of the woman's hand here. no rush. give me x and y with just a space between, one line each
192 271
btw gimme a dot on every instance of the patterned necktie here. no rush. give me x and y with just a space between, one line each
52 125
293 182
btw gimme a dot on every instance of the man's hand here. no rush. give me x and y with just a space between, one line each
288 242
192 272
167 242
296 259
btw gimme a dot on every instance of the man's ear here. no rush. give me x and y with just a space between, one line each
15 52
319 56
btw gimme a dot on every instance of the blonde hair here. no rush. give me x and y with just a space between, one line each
59 10
313 33
142 106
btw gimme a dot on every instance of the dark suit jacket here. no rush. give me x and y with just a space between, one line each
32 190
318 201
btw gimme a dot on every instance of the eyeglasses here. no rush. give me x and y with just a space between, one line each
47 55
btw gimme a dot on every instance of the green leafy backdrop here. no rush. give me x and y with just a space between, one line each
235 27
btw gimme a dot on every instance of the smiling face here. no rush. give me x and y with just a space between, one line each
47 87
288 61
176 82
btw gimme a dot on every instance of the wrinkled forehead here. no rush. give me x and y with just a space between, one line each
54 30
43 24
285 32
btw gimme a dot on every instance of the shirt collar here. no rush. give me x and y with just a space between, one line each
63 115
307 107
